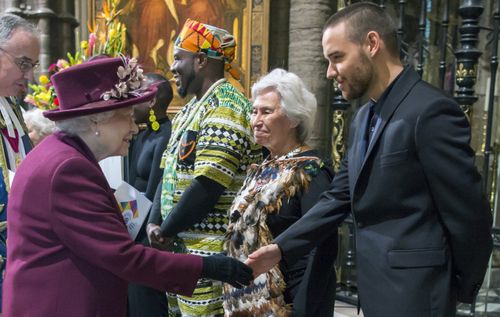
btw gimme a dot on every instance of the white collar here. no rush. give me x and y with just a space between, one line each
10 118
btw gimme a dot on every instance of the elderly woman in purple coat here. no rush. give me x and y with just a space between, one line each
69 251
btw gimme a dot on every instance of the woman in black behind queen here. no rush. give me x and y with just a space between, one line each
144 173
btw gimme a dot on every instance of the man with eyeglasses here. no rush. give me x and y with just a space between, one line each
24 64
19 50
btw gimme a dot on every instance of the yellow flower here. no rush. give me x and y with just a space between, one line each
44 79
84 45
102 37
45 96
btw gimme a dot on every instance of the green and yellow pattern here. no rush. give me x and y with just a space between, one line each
211 137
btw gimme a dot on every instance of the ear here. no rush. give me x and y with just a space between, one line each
373 43
294 124
201 59
94 127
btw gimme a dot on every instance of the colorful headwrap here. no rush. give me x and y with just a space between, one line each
216 43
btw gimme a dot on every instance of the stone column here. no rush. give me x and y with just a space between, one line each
305 58
279 23
67 24
11 6
41 12
56 23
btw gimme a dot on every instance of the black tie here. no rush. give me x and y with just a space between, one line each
372 123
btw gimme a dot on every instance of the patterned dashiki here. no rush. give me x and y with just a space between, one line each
211 137
266 188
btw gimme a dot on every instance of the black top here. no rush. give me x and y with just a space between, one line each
145 157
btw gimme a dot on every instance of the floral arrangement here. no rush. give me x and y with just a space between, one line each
43 95
109 40
112 38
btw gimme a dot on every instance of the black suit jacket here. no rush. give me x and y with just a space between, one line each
423 225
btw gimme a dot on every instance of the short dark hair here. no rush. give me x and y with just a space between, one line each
165 93
363 17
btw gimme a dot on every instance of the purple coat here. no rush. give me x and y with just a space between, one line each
69 252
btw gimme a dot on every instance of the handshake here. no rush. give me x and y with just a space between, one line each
216 267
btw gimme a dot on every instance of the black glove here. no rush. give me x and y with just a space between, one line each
227 270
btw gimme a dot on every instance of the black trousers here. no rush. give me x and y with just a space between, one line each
145 301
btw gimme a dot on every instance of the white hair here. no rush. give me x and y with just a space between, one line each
297 102
81 124
37 122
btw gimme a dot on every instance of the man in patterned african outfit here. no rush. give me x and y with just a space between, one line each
205 163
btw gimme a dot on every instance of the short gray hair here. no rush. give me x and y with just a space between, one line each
11 22
298 103
80 125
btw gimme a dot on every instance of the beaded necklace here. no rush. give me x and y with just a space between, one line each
288 155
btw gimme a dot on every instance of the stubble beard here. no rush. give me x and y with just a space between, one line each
361 79
184 89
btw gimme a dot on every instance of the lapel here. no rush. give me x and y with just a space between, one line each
399 91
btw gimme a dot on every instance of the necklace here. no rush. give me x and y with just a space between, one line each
288 155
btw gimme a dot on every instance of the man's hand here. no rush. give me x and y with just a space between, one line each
264 259
156 240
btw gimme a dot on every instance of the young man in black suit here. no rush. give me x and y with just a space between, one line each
422 223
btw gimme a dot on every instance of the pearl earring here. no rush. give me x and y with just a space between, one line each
97 133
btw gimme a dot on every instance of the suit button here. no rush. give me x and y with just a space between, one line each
360 224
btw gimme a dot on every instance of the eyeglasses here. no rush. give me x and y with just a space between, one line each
24 64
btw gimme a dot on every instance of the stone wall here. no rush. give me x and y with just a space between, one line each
305 58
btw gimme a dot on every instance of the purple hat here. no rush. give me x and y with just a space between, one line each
97 86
